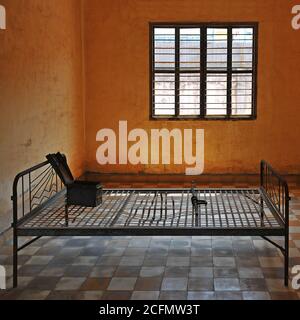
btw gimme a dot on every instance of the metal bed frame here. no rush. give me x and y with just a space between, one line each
39 210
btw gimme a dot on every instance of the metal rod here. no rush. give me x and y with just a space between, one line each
229 72
15 257
274 244
66 214
28 243
286 237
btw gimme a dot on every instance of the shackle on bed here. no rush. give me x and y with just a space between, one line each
195 200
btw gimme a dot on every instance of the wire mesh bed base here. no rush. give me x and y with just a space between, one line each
160 211
39 210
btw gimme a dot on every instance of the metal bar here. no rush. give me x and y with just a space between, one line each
81 210
166 208
94 216
154 211
237 213
43 174
187 208
254 68
243 208
131 209
177 69
28 243
173 210
279 195
49 219
23 200
30 200
49 168
206 213
143 211
198 214
224 207
230 207
151 73
274 244
109 195
286 236
136 212
250 209
180 209
43 182
37 210
15 257
218 211
267 221
203 52
40 199
259 208
252 200
14 199
262 169
136 231
272 208
115 203
149 209
194 206
119 209
66 214
229 72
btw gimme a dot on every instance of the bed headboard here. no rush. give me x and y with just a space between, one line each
33 188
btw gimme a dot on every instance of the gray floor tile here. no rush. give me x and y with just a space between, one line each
174 284
122 284
226 284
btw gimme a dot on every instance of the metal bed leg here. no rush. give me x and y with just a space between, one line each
262 210
286 236
286 260
262 181
66 215
15 258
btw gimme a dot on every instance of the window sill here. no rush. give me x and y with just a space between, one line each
207 118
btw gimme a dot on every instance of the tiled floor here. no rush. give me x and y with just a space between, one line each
154 267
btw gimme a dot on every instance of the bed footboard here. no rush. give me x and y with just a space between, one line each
276 192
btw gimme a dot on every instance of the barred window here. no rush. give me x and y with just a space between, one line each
203 71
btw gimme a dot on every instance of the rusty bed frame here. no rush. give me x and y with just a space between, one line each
39 210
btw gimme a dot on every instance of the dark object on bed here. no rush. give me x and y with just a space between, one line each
79 193
195 201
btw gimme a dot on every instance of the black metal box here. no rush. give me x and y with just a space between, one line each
84 193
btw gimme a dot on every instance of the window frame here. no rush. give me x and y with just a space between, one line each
203 27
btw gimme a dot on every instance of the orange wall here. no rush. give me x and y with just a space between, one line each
117 81
40 87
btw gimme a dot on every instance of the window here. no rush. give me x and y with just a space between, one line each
203 71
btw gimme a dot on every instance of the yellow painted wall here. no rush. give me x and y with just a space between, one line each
40 87
117 81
